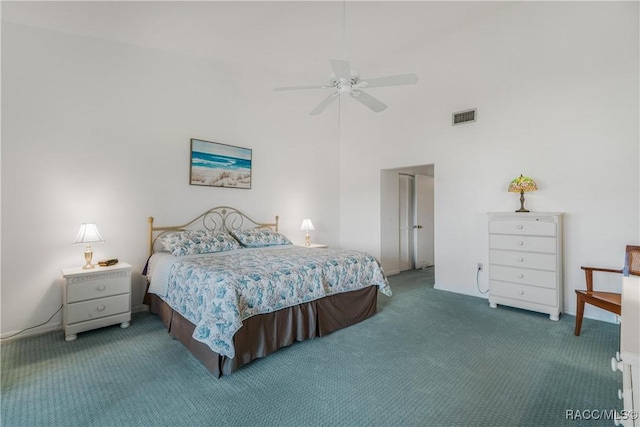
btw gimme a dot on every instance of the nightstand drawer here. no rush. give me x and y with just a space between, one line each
97 308
545 279
98 288
524 293
523 227
523 243
523 259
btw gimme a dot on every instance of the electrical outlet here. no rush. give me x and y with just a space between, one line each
480 266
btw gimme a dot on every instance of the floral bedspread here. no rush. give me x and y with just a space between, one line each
216 293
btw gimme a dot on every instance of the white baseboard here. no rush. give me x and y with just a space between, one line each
44 329
140 308
596 314
51 327
590 313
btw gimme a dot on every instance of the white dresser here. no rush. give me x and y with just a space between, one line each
627 359
525 261
96 298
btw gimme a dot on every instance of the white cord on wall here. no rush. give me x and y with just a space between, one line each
478 282
31 327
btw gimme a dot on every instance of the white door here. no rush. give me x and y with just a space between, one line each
406 213
423 227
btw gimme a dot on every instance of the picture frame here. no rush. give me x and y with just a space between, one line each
214 164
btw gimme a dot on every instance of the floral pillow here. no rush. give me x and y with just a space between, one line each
190 242
257 237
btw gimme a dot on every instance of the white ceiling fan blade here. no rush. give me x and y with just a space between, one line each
398 80
324 104
341 69
368 100
302 87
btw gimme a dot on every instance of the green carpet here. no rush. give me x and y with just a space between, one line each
428 358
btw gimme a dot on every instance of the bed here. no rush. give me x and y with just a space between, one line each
233 290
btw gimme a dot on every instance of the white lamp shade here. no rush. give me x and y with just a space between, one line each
306 225
88 234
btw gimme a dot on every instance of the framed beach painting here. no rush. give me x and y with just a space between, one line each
219 165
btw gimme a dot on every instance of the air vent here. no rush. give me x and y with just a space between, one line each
466 116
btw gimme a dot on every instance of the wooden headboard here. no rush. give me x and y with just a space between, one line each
221 218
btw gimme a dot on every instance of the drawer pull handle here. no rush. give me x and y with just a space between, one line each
519 243
620 394
520 276
101 287
521 292
520 227
520 259
101 308
616 365
617 418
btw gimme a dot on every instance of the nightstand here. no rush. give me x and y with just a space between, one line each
96 298
315 245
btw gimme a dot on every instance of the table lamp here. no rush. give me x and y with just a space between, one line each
88 234
306 226
520 185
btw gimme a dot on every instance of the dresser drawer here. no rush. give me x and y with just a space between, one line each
523 259
97 308
524 293
525 276
82 290
523 227
523 243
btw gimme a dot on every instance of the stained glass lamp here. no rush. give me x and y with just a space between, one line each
521 185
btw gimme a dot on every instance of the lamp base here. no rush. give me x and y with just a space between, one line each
522 209
307 240
88 255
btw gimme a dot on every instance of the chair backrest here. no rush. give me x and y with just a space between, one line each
632 261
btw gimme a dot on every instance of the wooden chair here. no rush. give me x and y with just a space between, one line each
609 301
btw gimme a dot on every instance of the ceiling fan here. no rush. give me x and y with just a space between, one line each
345 80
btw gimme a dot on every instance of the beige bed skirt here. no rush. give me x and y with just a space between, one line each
263 334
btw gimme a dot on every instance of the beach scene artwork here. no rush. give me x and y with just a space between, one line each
220 165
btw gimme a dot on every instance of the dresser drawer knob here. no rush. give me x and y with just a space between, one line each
616 365
101 308
616 418
101 287
519 243
521 292
520 259
520 227
520 276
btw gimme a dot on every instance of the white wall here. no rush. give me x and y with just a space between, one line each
556 87
98 131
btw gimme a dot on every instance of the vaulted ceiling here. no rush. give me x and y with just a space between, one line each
298 35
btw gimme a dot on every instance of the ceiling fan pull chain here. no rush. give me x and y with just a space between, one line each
344 29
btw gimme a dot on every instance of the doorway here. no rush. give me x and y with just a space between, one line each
407 218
